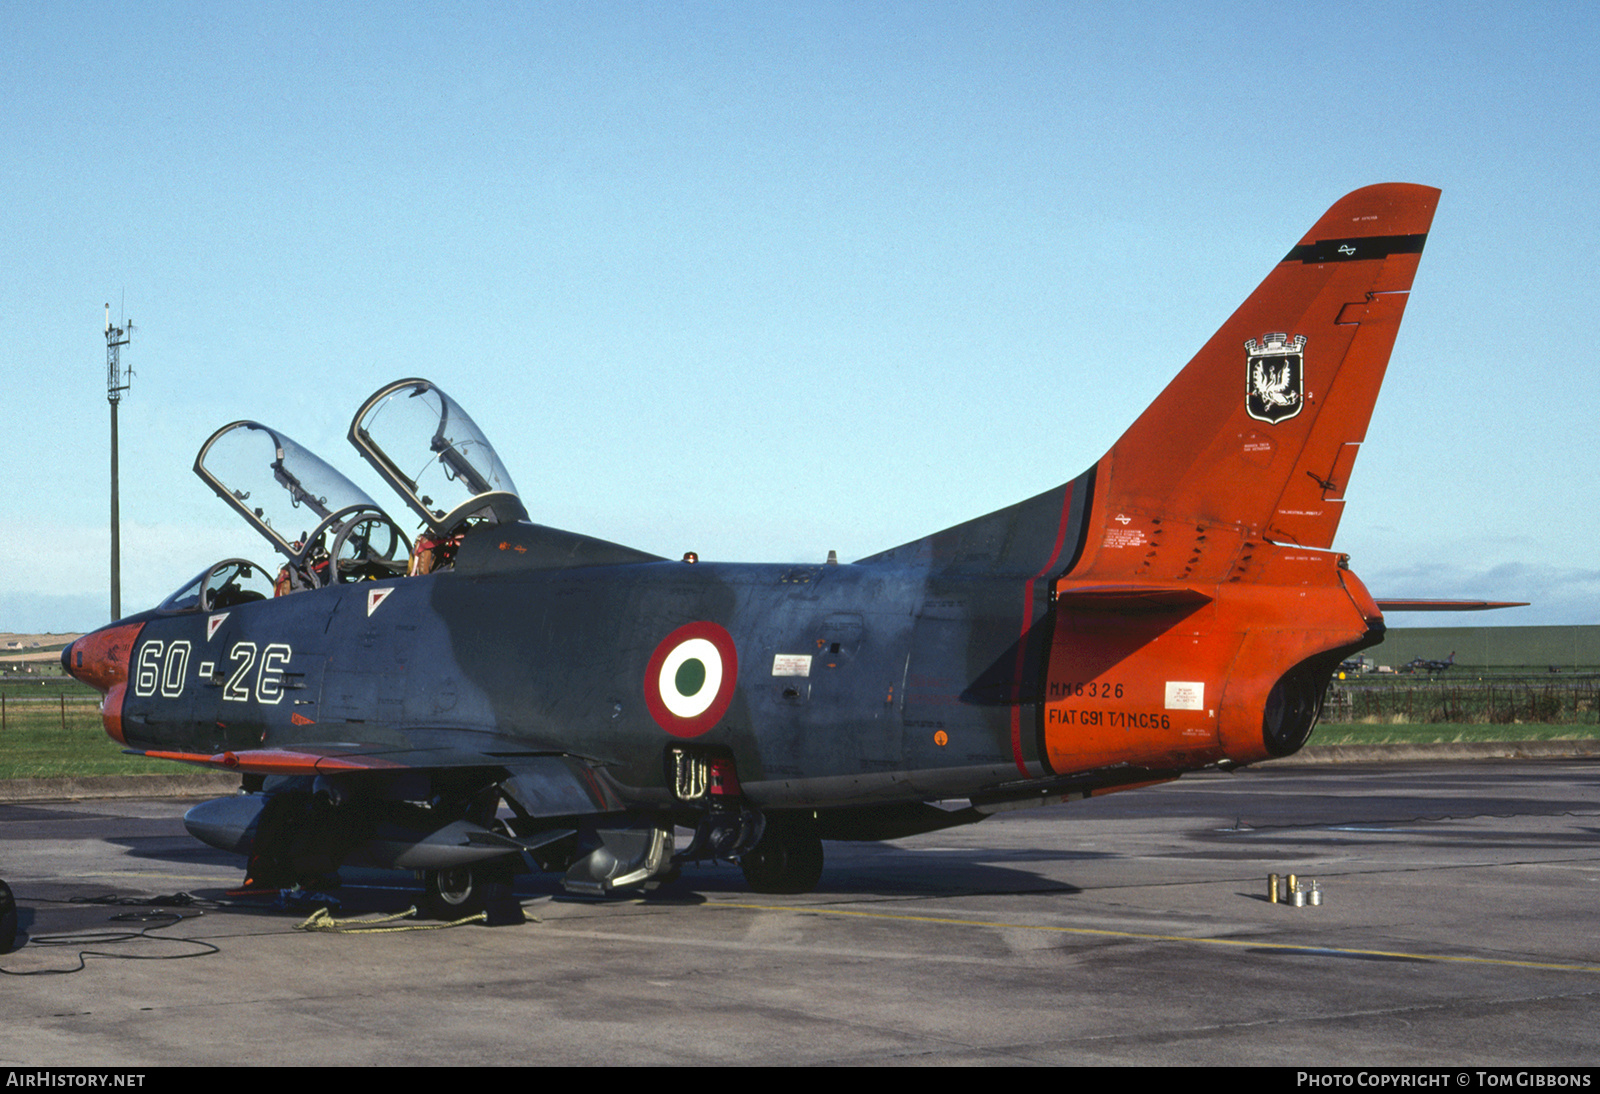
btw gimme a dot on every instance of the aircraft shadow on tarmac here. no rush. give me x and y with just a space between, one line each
852 871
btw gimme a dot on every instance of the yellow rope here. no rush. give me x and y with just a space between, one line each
323 920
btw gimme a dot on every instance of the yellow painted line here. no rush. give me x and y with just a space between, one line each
213 880
1102 933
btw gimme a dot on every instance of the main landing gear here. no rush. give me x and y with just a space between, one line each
456 892
789 857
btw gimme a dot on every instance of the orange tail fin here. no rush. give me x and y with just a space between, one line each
1193 604
1260 430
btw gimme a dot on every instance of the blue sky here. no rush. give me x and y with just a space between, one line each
766 280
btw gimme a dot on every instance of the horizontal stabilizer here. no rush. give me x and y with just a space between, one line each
1447 605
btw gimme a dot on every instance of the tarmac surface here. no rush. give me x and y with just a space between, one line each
1458 928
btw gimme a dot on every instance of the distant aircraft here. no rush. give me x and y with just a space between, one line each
1430 667
503 694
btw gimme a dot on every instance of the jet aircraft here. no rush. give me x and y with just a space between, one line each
1431 667
501 694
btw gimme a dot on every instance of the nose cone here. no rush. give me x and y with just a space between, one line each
101 659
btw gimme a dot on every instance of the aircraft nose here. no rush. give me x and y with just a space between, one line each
101 659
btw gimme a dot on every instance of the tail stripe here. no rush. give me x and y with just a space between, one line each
1356 249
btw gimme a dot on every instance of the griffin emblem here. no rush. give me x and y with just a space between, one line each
1275 377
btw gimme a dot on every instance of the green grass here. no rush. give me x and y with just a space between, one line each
1346 733
34 744
48 687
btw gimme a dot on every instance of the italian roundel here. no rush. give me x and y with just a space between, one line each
689 682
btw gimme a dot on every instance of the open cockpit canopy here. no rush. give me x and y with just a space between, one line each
434 455
324 524
218 588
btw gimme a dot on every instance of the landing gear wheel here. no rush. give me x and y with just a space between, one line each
457 892
787 860
452 893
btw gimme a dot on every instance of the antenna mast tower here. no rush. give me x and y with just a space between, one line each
117 380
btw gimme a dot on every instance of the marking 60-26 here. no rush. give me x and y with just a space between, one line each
164 667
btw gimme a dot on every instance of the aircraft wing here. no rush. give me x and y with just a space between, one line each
327 759
544 784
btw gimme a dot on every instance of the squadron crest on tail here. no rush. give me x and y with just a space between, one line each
1274 377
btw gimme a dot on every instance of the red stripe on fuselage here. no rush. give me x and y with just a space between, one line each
1027 621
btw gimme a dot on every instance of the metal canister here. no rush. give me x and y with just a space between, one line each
1272 888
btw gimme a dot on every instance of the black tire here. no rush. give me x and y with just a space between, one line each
452 893
787 860
457 892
